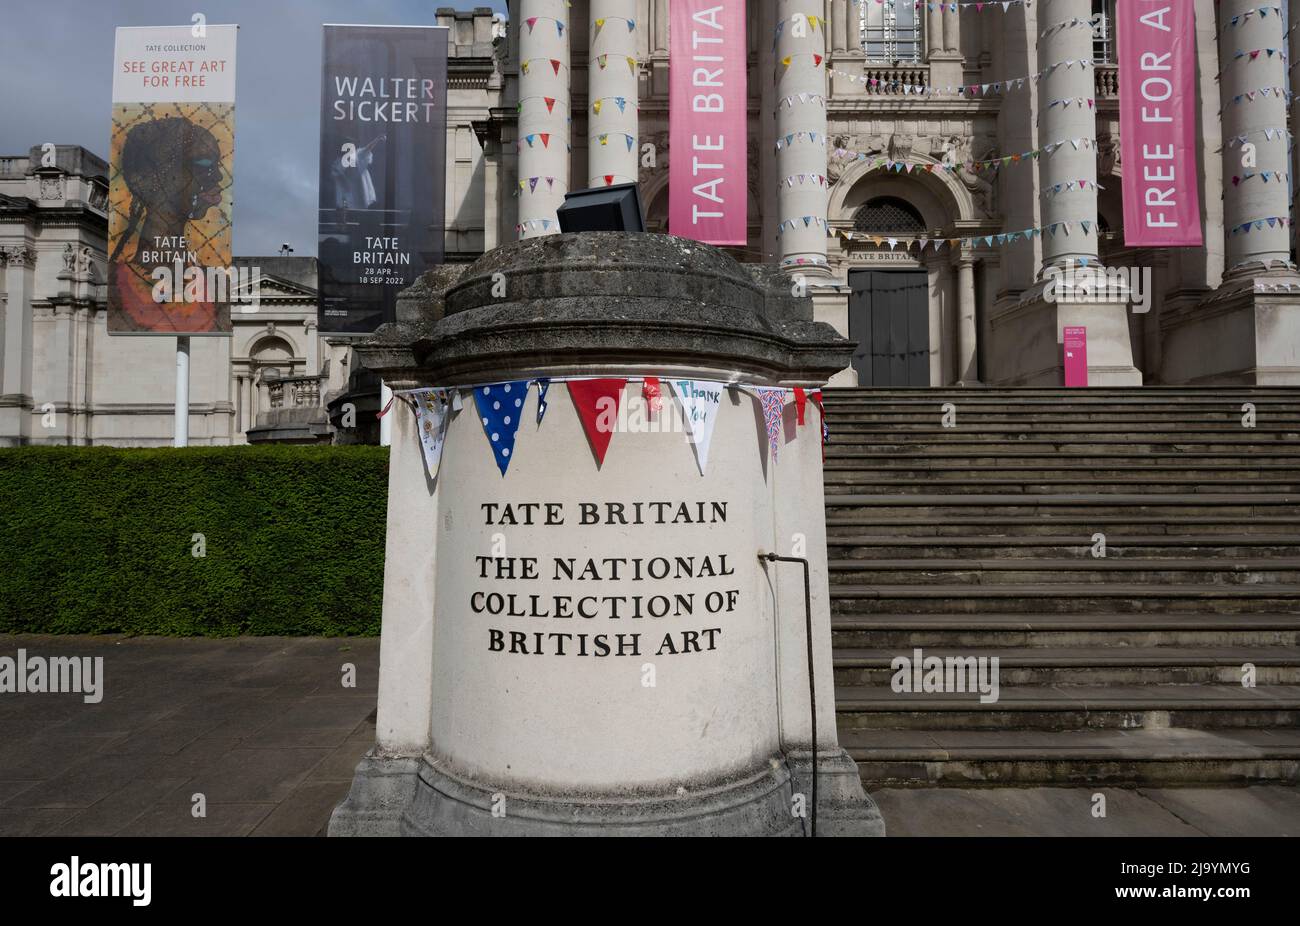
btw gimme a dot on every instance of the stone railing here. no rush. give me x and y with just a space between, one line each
892 78
13 167
1106 81
294 391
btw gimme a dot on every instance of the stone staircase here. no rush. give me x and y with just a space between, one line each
978 540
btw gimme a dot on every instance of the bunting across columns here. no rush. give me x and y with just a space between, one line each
612 117
1068 179
1250 201
545 119
800 80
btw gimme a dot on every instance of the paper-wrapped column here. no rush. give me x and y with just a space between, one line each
801 134
1252 93
544 115
1067 177
612 147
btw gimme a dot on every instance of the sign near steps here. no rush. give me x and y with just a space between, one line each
1076 355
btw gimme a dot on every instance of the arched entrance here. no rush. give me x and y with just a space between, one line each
889 309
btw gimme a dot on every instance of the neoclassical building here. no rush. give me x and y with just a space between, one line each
857 123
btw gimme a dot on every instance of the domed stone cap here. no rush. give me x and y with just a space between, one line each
597 301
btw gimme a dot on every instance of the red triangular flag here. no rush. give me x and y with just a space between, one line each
652 394
609 180
800 402
555 63
550 103
546 139
597 403
817 60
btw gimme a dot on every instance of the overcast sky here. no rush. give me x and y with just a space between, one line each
56 69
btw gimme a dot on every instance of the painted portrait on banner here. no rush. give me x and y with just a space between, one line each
171 181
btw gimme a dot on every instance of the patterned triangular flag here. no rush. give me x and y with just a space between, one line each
500 407
542 386
772 401
432 412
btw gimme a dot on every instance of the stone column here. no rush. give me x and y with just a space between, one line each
1065 34
1252 199
612 147
544 114
952 30
661 26
1293 33
801 134
967 333
841 38
933 31
18 270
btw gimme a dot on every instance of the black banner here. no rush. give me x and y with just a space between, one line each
383 175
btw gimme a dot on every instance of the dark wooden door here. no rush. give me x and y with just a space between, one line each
889 317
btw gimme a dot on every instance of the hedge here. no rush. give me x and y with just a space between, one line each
100 540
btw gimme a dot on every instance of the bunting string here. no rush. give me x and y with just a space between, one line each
500 408
974 166
532 24
907 242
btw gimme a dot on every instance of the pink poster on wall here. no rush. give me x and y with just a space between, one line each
707 166
1076 355
1157 109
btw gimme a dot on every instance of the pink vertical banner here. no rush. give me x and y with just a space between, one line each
708 165
1076 355
1157 117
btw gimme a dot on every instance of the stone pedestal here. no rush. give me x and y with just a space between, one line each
554 713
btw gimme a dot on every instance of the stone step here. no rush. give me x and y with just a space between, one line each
1038 505
1283 457
1089 572
1030 630
1221 414
912 524
1095 664
1024 429
1077 546
878 484
1073 757
914 470
1071 707
841 446
1111 597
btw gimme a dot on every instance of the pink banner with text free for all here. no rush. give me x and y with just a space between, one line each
707 169
1157 111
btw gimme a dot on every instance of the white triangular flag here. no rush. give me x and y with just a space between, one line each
700 401
432 412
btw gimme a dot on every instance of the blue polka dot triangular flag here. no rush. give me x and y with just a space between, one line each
542 386
500 406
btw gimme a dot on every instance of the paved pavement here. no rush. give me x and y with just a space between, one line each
264 729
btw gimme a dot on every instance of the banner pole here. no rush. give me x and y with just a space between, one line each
386 422
181 433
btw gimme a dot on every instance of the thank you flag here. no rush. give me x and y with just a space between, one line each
700 400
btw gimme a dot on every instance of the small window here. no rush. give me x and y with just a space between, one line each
887 215
891 31
1103 31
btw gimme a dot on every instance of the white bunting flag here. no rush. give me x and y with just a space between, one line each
700 400
432 412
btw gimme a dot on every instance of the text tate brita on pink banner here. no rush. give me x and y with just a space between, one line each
707 180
